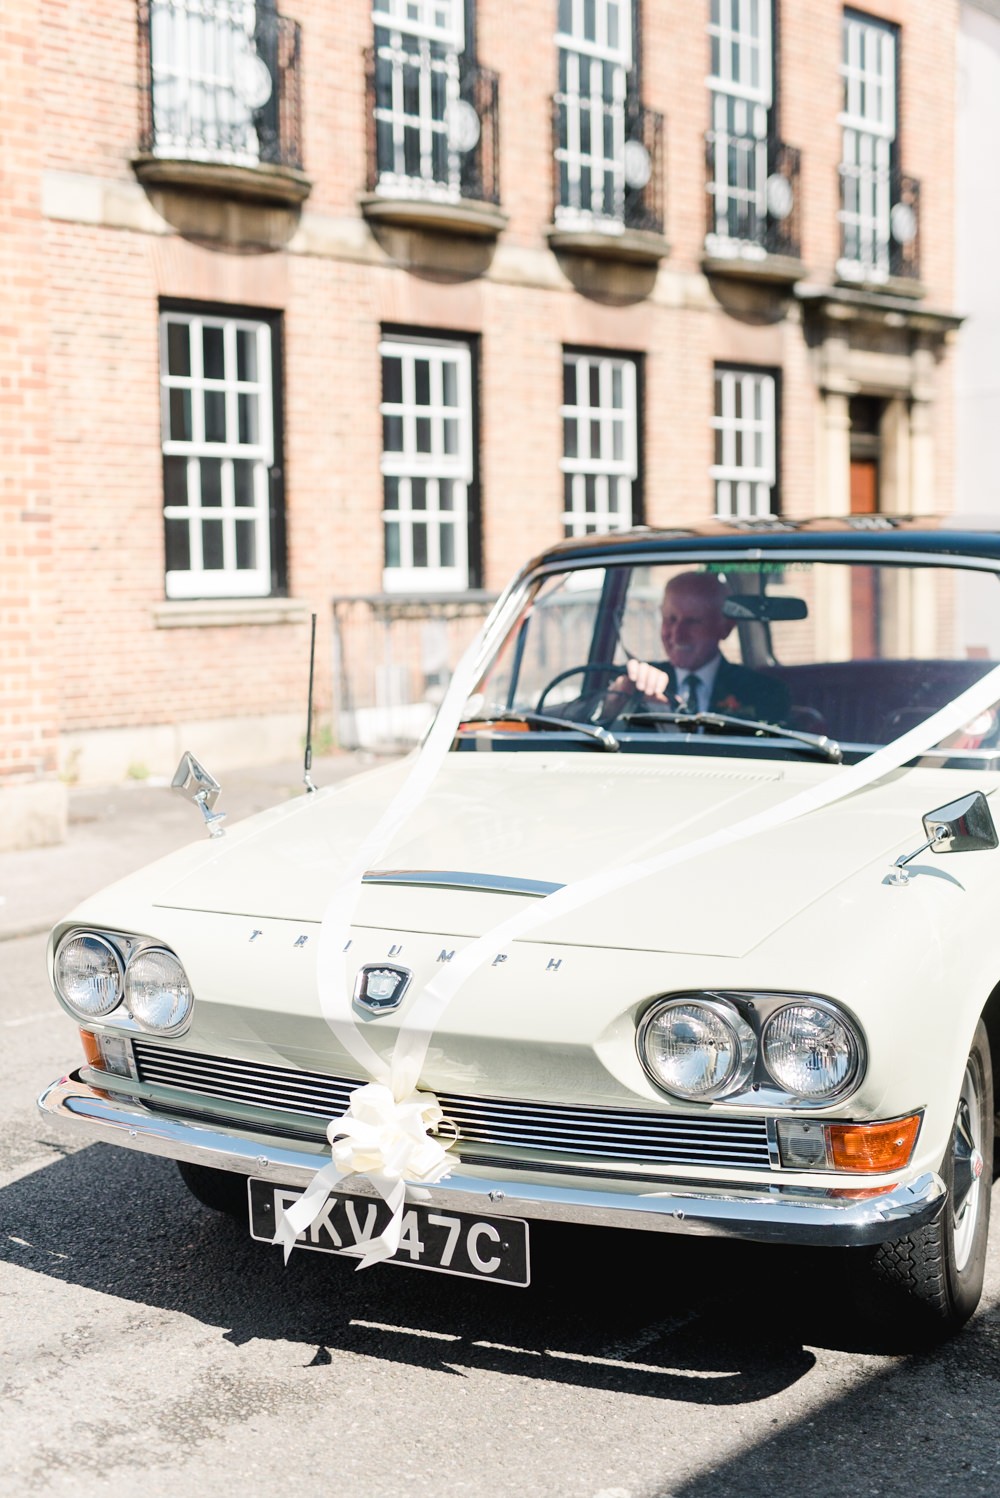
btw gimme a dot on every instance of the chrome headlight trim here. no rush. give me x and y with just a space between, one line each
83 934
737 1078
155 949
856 1045
756 1007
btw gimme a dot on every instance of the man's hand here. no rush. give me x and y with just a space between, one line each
642 677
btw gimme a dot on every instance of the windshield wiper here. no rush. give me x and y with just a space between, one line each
601 736
829 748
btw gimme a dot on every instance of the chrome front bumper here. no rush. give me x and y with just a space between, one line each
759 1213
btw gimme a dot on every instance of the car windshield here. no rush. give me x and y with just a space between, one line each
853 653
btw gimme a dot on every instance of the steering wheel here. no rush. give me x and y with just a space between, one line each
583 708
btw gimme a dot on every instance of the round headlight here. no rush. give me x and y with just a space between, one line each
810 1051
88 975
697 1048
157 993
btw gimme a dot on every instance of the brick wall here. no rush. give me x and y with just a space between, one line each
86 254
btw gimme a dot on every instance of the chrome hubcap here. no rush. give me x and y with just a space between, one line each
967 1169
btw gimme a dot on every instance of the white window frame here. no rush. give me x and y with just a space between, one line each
569 152
229 581
869 125
611 480
740 107
200 53
432 466
745 490
427 36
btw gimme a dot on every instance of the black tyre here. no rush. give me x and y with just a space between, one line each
222 1190
936 1272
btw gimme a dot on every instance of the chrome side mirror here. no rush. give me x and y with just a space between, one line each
963 826
193 780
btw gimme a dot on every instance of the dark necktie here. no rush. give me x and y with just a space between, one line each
691 684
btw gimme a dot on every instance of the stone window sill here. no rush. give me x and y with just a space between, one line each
215 613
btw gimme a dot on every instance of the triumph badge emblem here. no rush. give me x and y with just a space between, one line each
380 988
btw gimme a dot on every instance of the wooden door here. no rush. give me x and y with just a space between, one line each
864 583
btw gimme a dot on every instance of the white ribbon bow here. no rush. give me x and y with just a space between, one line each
389 1143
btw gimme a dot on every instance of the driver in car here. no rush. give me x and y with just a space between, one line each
696 677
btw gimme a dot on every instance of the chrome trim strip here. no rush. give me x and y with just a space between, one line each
653 1136
494 884
768 1213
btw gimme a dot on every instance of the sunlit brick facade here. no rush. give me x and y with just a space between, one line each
376 301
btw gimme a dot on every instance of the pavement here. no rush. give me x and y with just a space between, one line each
116 829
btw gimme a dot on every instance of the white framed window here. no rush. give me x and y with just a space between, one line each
418 46
744 427
207 80
594 40
741 87
868 126
427 463
218 449
600 462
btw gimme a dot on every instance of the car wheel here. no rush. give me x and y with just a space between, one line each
938 1269
222 1190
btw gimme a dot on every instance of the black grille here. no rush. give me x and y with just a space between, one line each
627 1134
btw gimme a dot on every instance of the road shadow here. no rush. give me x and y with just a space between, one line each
639 1313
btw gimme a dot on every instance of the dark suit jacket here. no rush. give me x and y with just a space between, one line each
745 694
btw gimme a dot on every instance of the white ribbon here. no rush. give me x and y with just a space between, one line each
401 1073
387 1141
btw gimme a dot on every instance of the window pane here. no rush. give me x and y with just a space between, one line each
422 382
246 354
569 382
178 546
211 545
246 545
419 534
211 481
243 486
175 481
570 438
423 426
392 558
418 494
392 381
180 415
446 494
392 434
214 367
449 372
215 416
249 419
178 349
450 436
390 496
447 543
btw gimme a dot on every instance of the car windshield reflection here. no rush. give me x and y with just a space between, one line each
721 655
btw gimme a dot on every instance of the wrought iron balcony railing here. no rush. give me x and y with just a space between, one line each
433 126
879 222
220 83
753 194
614 189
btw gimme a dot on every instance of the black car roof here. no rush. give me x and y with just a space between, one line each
862 533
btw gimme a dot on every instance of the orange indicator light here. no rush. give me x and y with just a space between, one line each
874 1148
91 1050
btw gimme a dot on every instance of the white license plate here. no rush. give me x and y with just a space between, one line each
480 1248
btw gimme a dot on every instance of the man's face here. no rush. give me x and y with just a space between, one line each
693 621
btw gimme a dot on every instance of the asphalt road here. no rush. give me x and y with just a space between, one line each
149 1346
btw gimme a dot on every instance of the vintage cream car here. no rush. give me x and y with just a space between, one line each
615 946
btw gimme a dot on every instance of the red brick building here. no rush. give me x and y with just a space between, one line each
377 299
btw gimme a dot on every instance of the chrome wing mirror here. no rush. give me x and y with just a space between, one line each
963 826
194 781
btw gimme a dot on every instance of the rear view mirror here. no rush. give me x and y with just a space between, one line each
765 609
193 780
963 826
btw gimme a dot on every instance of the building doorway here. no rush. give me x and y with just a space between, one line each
866 456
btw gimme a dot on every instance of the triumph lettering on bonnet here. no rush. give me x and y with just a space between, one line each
444 955
254 934
300 941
